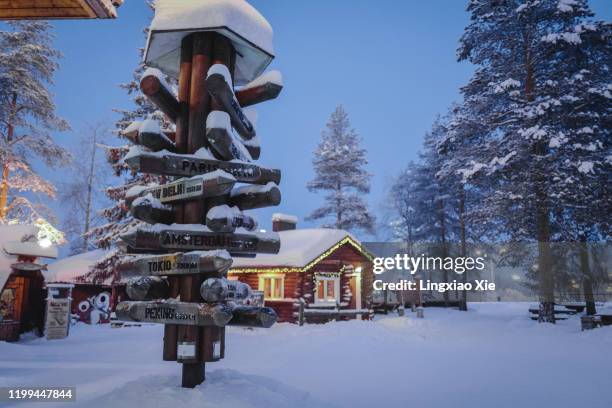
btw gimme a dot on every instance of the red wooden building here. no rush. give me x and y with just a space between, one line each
21 280
327 268
91 301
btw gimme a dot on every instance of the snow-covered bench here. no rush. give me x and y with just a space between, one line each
561 312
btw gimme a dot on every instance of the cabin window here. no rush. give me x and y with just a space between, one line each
327 290
273 287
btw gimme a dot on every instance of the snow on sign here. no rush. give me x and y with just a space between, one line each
249 32
201 217
188 165
176 264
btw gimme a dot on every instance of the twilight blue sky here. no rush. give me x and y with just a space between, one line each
391 63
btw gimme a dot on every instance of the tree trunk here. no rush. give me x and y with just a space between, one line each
443 242
90 181
6 163
546 279
587 279
463 245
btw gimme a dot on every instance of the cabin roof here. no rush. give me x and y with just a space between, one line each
73 267
46 9
300 249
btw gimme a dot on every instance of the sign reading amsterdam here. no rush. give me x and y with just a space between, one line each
173 312
176 264
163 239
188 165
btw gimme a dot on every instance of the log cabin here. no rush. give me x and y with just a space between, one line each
21 280
327 269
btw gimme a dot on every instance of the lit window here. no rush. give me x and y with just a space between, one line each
272 287
327 290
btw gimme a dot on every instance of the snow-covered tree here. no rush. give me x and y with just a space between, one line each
119 219
83 195
339 165
527 87
28 63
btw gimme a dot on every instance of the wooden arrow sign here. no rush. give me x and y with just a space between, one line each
252 197
151 211
154 87
147 288
223 218
159 239
221 90
189 263
149 134
189 165
208 185
267 86
253 316
218 133
174 312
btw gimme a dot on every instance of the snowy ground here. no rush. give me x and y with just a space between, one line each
491 356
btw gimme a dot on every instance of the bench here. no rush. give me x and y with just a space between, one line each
596 320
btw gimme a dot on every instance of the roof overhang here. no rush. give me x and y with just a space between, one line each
288 269
58 9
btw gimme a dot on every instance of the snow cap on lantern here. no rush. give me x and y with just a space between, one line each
250 33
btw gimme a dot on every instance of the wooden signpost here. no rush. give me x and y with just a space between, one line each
188 165
187 290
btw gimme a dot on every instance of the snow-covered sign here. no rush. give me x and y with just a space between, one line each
170 164
250 33
175 264
196 237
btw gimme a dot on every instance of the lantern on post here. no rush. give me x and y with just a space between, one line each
178 263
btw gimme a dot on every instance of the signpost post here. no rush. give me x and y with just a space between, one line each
194 330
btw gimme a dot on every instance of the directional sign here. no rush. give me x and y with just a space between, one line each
208 185
224 95
188 263
161 239
149 211
252 316
218 133
251 95
223 218
252 197
187 165
174 312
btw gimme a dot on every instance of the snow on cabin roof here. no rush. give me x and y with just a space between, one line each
70 268
292 219
249 31
299 248
11 246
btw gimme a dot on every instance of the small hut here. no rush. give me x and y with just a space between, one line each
22 294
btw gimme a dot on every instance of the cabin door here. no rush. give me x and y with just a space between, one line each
355 285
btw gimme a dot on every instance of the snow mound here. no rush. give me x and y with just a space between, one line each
222 388
248 30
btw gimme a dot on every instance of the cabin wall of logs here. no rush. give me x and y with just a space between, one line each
301 285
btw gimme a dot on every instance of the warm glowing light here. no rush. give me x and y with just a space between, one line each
45 243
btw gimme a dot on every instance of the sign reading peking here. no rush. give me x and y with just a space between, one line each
174 312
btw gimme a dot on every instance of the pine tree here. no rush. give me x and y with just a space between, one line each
339 165
524 84
119 219
28 63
